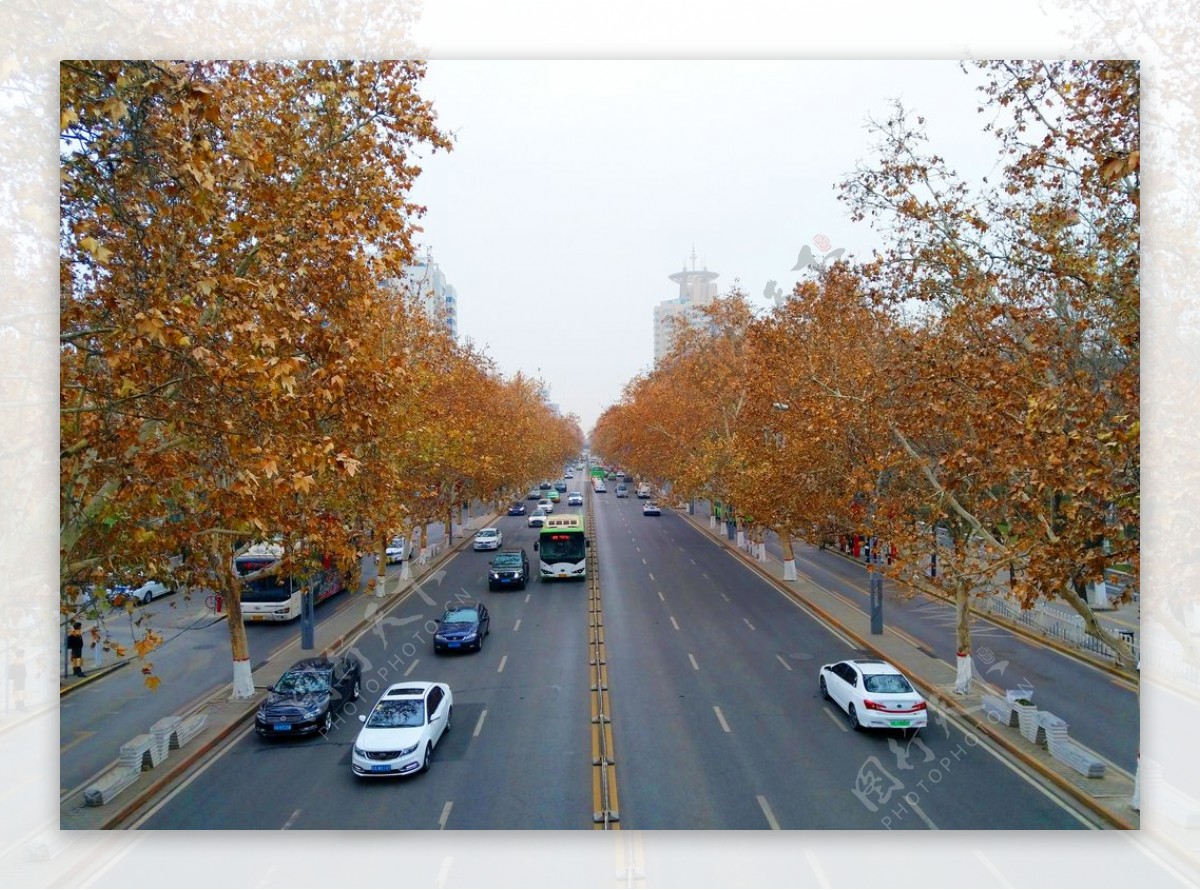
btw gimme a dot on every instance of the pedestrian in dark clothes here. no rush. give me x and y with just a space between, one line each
75 646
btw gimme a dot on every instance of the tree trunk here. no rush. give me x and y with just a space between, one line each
962 608
1075 593
789 555
381 566
229 587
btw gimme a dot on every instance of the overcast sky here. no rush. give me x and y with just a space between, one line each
576 187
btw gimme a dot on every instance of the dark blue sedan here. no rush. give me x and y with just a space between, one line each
517 509
462 627
302 701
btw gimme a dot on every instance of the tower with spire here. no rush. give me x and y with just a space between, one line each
697 288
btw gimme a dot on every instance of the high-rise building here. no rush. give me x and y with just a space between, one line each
697 288
425 282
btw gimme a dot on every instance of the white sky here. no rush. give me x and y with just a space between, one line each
576 187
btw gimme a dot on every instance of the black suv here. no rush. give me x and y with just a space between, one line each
509 568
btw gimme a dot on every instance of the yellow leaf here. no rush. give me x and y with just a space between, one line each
152 682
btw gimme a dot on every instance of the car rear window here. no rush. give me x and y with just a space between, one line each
886 683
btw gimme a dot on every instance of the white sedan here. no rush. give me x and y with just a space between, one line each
488 539
874 694
395 551
546 504
400 733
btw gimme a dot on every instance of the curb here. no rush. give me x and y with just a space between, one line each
1052 776
180 767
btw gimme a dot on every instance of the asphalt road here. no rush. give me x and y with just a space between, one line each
718 722
517 756
716 717
1101 709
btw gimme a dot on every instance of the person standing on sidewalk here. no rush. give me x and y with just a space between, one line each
75 646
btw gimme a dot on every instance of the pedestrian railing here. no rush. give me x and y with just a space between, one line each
1067 628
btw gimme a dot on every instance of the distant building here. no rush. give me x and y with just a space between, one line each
697 288
425 282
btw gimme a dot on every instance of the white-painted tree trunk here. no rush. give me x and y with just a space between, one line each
789 570
712 521
243 680
741 539
962 681
406 568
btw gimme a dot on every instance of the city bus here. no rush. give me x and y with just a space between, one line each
562 548
276 596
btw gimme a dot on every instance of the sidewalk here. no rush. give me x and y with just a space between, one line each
1109 797
223 716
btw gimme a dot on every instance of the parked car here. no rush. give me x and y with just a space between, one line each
488 539
462 627
395 551
400 733
141 595
537 518
560 487
546 505
873 693
575 499
651 509
622 490
301 702
517 509
509 568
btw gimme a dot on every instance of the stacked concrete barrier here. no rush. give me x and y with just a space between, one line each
143 752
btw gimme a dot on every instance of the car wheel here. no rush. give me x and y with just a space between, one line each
853 715
479 644
327 723
425 762
354 691
147 597
824 690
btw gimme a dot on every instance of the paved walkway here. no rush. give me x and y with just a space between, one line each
1109 797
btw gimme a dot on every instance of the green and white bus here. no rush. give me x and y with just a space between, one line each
562 548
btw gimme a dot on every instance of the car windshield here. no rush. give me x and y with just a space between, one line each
507 559
885 683
397 713
486 533
454 616
303 682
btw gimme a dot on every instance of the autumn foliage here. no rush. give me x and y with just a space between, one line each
237 361
969 392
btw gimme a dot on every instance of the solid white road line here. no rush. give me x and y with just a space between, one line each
692 659
784 663
836 719
503 660
416 661
674 623
766 808
445 815
921 814
721 719
479 723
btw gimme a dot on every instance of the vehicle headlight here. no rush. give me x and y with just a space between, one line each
359 751
495 576
472 635
408 750
439 636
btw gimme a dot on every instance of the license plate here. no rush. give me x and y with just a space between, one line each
256 618
454 645
380 768
282 727
899 723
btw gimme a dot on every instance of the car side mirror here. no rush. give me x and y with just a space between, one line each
362 718
535 543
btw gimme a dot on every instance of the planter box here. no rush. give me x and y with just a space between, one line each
1027 721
